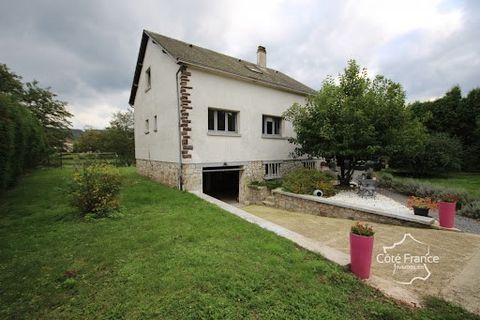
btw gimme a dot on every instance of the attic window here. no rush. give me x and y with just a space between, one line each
254 69
148 76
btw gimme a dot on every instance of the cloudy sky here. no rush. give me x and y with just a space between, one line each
86 50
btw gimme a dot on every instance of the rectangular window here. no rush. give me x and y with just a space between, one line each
155 124
211 119
222 120
148 77
271 125
272 170
147 126
309 164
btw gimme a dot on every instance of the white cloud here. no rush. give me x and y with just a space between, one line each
87 50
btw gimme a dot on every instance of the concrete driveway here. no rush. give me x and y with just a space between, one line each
433 262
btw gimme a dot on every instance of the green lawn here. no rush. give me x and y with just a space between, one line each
463 181
469 182
170 256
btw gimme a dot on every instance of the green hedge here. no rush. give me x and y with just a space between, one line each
22 141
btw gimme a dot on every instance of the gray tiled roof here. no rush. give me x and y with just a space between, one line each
202 57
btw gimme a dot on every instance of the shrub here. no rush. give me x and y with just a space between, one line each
471 210
270 184
362 229
305 181
95 189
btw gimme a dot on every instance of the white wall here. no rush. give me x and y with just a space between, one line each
160 100
251 101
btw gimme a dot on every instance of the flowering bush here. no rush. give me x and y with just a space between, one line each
418 202
95 189
362 229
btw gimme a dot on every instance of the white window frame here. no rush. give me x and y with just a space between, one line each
215 121
147 126
155 123
269 118
272 170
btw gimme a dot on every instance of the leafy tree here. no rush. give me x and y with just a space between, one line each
22 140
440 153
118 138
51 113
456 116
92 140
10 83
356 119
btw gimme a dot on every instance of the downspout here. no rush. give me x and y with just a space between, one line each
180 176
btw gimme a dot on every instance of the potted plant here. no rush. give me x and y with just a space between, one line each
420 206
447 204
361 249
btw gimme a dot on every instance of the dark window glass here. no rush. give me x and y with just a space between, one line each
231 121
263 124
277 126
211 119
269 127
221 120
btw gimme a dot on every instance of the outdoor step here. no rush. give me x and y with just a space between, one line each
268 203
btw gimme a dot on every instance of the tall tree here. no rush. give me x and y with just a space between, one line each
10 83
51 113
356 119
120 136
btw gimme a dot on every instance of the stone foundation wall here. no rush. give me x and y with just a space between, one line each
192 177
253 171
167 173
163 172
298 204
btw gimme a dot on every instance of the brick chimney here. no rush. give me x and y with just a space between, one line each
262 57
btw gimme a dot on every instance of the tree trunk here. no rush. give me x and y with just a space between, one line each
346 170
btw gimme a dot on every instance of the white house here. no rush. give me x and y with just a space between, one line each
208 121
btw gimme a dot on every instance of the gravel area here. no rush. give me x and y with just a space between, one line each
378 202
463 223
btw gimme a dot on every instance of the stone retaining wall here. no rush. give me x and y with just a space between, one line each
257 194
300 203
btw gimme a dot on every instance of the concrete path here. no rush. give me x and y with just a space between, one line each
455 277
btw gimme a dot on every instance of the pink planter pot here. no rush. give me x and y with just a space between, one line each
361 249
446 212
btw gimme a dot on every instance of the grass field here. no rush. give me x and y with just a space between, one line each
469 182
171 256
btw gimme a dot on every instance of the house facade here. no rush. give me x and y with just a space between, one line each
209 122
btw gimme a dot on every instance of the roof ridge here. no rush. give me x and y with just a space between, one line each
209 59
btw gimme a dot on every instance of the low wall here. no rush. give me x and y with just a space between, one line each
256 194
321 207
